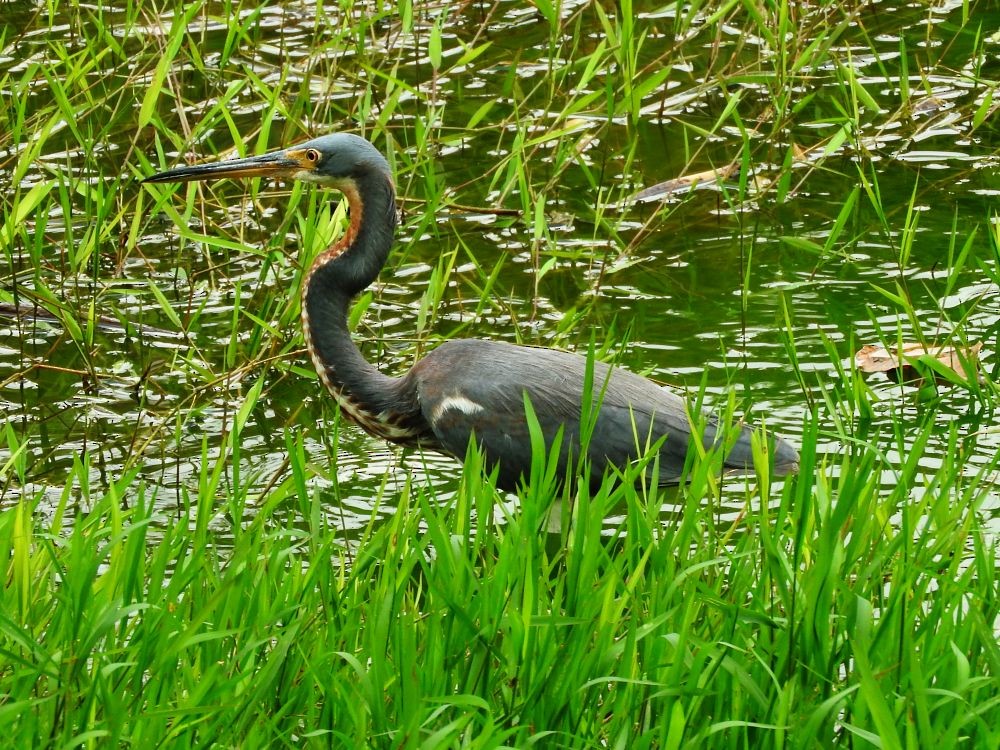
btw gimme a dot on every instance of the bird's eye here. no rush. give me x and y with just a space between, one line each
312 155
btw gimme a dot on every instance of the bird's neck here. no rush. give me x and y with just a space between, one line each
337 275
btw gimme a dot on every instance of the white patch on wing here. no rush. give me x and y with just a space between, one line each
457 402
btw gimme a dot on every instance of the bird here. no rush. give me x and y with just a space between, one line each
471 389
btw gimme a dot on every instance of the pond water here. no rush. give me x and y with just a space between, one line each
709 287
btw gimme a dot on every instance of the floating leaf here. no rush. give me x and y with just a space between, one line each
685 183
897 363
928 105
803 155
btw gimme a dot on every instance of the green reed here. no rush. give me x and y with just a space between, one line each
837 608
684 631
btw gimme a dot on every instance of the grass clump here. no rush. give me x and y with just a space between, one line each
809 621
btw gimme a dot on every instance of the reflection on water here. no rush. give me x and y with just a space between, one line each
160 391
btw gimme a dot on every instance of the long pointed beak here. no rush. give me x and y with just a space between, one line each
284 163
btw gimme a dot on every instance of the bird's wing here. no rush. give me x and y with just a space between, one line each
472 387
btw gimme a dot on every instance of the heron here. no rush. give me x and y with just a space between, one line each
469 389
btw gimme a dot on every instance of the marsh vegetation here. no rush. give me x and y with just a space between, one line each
730 197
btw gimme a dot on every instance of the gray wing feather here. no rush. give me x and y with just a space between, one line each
472 387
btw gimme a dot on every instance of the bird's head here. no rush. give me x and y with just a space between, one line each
337 160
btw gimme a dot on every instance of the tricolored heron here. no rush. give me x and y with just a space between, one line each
469 388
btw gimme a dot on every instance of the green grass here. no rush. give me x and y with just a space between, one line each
813 619
183 561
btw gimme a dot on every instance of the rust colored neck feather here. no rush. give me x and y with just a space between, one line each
343 243
384 406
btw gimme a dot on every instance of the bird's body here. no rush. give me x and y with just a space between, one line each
631 412
468 388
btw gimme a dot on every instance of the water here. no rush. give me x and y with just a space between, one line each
157 391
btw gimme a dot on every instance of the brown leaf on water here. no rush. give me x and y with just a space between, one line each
685 183
927 105
894 362
803 155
